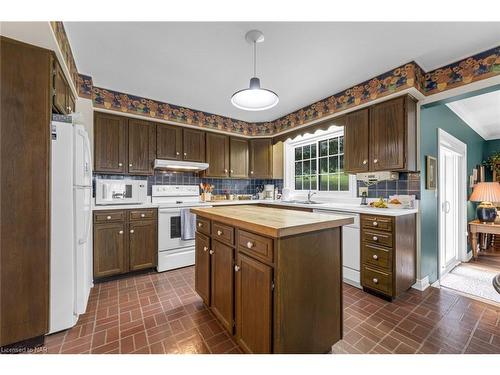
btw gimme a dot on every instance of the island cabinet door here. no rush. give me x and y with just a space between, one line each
222 286
254 294
202 267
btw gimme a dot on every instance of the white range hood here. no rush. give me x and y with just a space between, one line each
176 165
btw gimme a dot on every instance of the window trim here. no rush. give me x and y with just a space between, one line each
289 163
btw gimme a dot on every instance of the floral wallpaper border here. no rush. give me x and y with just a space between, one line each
480 66
63 42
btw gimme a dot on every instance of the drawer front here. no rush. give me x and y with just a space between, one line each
223 233
109 216
377 280
377 256
377 222
142 214
203 225
377 237
255 245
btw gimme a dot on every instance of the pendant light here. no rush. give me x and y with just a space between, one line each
254 98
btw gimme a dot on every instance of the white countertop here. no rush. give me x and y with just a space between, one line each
343 207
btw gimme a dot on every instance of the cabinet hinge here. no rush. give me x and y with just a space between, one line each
234 324
272 285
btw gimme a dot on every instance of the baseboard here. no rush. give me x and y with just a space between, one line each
421 284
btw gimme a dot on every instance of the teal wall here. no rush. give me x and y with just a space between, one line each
432 118
490 148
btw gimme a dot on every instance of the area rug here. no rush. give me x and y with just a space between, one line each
472 280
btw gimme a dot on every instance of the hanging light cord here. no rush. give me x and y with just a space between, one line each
255 59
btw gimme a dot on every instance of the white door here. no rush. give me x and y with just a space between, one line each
452 201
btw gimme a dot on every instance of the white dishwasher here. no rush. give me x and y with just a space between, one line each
351 250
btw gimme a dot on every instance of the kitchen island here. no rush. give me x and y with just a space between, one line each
272 277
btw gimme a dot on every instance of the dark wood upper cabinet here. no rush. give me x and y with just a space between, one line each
253 304
63 100
110 143
168 142
193 145
26 102
202 270
222 286
356 140
238 160
393 135
261 158
217 155
110 244
142 244
141 146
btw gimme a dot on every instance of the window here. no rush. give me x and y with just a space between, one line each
318 164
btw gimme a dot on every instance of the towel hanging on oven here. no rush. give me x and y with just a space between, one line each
188 224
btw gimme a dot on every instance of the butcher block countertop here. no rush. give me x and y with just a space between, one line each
272 222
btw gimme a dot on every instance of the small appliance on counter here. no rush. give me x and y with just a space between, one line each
269 192
124 191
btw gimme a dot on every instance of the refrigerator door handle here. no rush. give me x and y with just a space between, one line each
86 166
81 241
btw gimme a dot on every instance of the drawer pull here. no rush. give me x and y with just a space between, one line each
120 232
211 252
375 280
375 256
142 215
375 238
249 244
200 225
236 268
108 217
375 224
219 233
205 248
131 231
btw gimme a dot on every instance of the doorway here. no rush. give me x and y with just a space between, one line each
452 159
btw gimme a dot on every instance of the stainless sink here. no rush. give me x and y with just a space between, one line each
303 202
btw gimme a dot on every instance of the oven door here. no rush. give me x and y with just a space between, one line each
169 230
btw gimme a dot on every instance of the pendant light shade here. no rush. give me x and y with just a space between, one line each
254 98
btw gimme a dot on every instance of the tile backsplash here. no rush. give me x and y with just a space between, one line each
407 184
234 186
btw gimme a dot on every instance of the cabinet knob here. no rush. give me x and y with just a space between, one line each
130 165
120 232
231 171
249 244
375 161
120 164
211 252
185 154
375 256
131 231
225 170
375 280
142 215
375 223
219 232
108 217
200 225
251 172
375 238
236 267
365 162
177 153
205 248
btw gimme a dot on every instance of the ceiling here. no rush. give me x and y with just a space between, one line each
200 65
481 113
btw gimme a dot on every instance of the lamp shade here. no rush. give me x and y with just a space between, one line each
486 192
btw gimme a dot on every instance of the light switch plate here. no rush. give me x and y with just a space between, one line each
363 189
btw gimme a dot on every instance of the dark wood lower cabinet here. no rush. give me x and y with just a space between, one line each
202 261
254 298
222 283
110 242
123 243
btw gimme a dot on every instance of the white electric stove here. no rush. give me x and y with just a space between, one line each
173 251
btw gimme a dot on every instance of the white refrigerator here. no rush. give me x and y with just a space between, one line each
71 213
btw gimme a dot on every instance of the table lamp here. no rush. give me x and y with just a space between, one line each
486 192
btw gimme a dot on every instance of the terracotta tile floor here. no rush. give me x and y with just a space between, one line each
161 313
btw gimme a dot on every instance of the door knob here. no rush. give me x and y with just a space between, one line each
375 256
236 268
205 248
375 280
211 252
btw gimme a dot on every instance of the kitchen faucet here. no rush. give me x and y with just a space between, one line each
309 195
